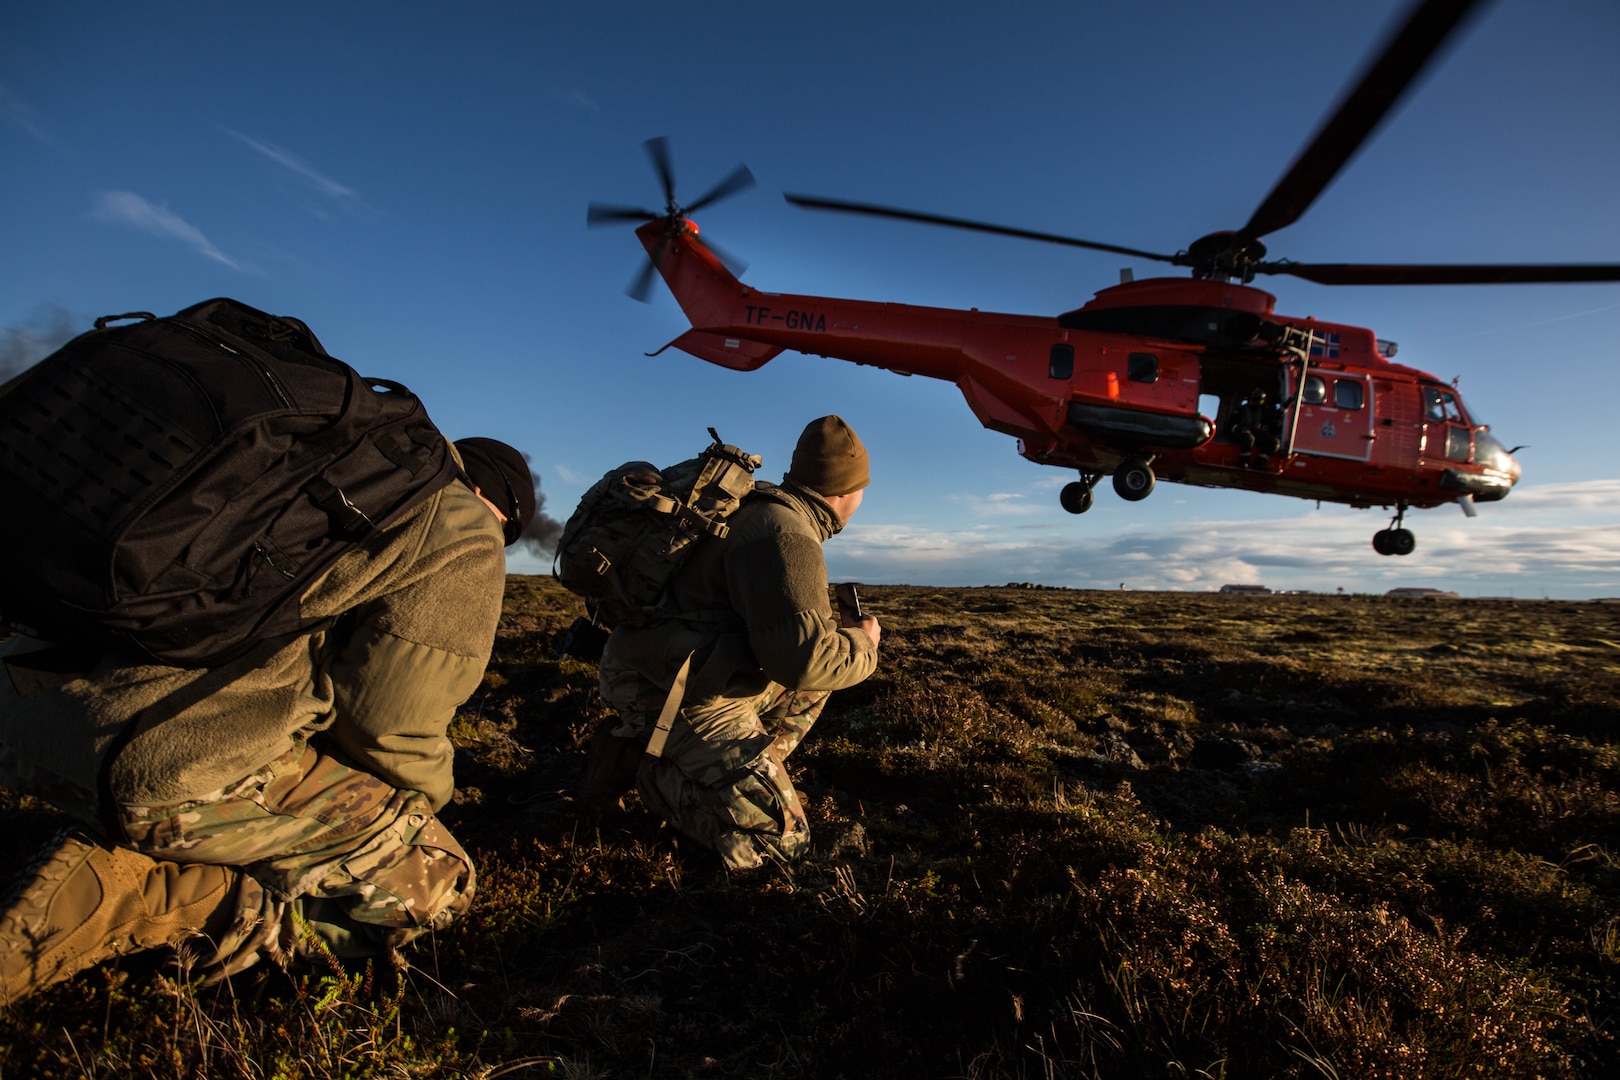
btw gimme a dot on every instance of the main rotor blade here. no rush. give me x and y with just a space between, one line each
1438 274
658 150
641 287
813 203
1381 86
605 214
727 259
740 179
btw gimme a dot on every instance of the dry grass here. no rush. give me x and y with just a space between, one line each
1062 834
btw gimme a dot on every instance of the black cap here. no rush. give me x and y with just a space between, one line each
502 474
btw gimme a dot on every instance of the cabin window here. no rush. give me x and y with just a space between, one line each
1142 367
1348 393
1061 365
1315 390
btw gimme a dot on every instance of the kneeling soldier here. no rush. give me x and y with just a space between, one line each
765 651
276 804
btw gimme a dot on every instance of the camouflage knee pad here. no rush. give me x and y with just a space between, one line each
414 877
750 814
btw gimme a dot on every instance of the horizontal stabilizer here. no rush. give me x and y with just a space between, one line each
738 354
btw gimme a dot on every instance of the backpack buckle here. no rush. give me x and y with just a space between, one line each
348 520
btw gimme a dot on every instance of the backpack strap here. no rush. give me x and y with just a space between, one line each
672 706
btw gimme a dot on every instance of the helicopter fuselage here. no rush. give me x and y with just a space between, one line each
1188 375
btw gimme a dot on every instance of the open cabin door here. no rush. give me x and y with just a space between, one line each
1333 413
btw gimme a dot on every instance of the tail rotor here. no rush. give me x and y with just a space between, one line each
674 215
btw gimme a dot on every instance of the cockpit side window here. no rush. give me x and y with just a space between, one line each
1441 405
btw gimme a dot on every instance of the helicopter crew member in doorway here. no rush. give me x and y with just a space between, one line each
1257 429
765 652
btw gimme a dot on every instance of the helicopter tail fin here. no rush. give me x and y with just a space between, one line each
705 287
738 354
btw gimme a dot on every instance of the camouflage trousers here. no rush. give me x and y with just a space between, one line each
722 777
333 859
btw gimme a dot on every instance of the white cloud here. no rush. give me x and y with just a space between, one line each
581 99
1555 539
1590 495
998 505
14 113
303 170
128 208
1531 325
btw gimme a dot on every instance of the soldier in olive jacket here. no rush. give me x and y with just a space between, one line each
764 652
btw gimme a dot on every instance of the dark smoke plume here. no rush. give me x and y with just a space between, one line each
542 534
36 337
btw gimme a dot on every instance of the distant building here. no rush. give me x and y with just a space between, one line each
1411 592
1245 590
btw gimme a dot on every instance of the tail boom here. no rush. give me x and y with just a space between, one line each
740 328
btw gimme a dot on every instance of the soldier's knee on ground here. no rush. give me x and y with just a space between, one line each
749 815
412 880
768 816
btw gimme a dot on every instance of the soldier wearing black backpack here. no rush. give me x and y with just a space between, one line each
279 801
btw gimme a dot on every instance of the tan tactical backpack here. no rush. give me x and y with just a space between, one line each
639 524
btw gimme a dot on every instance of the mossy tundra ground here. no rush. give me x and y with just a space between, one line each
1059 834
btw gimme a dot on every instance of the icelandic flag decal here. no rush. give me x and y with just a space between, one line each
1325 345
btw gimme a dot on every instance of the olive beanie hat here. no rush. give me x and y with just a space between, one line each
830 459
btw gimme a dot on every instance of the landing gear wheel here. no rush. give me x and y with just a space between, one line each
1133 481
1394 542
1397 539
1076 497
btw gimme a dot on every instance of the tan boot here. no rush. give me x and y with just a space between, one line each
86 903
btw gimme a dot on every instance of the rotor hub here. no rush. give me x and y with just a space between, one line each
1225 256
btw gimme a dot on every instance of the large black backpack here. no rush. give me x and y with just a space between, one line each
178 484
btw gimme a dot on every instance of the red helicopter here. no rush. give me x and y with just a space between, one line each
1194 381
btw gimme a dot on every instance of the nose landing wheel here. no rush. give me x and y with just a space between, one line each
1395 540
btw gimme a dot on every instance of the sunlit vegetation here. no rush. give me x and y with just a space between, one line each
1061 834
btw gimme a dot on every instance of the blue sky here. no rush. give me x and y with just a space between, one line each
412 181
